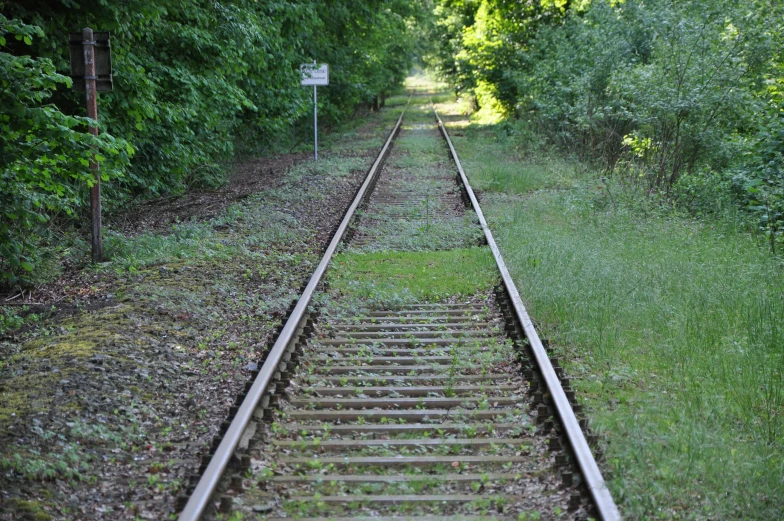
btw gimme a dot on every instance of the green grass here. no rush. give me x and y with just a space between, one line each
673 328
438 235
496 165
512 178
354 134
413 275
246 228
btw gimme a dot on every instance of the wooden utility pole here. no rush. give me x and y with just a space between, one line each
91 96
91 70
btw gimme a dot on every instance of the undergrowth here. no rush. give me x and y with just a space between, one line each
670 324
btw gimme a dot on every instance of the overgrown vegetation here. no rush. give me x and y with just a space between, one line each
683 98
194 82
44 153
392 277
627 238
670 324
106 380
430 214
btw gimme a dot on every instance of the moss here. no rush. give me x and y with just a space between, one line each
13 402
64 348
23 506
83 336
80 339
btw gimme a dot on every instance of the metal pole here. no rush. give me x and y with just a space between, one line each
315 124
91 93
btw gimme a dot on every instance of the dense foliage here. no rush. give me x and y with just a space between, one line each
44 154
684 97
192 81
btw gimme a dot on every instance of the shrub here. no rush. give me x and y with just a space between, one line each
44 154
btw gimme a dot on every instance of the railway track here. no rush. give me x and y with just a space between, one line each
427 411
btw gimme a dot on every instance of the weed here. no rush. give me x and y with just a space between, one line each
386 277
9 320
67 465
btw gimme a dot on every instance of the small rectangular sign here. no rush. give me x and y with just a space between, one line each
313 74
103 61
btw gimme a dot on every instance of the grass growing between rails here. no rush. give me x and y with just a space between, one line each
672 327
399 277
417 205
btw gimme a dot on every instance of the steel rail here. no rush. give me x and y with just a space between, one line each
200 498
590 470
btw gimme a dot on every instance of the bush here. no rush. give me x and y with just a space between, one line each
44 154
760 185
654 90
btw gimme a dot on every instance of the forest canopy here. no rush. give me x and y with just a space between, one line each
684 98
194 83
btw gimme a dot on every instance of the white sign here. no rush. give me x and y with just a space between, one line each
313 74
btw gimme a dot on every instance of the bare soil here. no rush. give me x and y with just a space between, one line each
247 178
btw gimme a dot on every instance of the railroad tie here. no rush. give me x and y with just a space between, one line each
407 432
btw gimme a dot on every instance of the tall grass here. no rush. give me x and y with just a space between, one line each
673 327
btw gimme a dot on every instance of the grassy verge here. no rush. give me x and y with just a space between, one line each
672 326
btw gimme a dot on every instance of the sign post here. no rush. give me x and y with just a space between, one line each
91 71
315 75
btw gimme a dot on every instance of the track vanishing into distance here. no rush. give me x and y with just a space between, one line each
424 411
